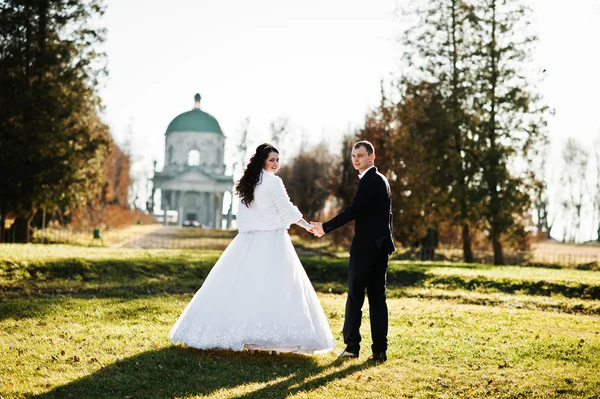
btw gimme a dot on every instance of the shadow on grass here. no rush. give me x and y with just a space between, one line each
181 372
25 308
510 286
49 281
41 286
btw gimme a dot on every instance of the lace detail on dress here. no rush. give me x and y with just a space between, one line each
292 338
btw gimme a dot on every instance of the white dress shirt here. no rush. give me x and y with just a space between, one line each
360 175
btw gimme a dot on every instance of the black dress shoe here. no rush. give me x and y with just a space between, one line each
378 357
348 354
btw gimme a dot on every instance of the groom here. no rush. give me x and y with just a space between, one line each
371 247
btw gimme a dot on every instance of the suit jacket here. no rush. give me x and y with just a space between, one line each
371 208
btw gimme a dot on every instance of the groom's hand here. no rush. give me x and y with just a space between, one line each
318 229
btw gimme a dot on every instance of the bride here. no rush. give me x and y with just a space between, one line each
258 296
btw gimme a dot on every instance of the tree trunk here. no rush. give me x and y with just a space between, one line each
428 245
547 235
19 231
2 224
495 200
458 141
467 250
498 254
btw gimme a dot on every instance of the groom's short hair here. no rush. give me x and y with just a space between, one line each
367 144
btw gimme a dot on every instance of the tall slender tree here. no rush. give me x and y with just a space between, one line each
438 49
510 122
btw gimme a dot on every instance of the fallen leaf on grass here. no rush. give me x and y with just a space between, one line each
359 377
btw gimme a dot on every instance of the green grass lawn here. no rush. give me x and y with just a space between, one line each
92 323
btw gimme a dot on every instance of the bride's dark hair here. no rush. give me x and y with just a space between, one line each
244 187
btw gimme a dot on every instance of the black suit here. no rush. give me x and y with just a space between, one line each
371 209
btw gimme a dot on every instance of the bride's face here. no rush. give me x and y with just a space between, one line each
272 162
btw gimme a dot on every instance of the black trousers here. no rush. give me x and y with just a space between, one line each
367 272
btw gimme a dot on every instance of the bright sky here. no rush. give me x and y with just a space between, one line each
316 62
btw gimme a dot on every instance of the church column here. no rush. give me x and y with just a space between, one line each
180 208
230 210
218 210
164 202
221 210
205 208
172 203
211 209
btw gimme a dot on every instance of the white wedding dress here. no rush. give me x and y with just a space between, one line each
258 296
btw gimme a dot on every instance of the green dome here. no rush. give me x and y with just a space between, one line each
195 120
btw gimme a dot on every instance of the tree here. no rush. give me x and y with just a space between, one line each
279 131
574 180
439 50
241 153
378 129
307 180
52 140
422 155
345 182
541 198
596 194
110 204
510 118
134 180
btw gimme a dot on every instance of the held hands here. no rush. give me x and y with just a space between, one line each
304 224
318 229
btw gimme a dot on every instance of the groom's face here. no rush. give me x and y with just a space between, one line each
361 159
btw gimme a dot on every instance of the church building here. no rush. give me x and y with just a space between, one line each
193 181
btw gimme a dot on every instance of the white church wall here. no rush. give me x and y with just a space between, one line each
210 145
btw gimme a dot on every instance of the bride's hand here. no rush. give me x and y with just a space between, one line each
318 229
